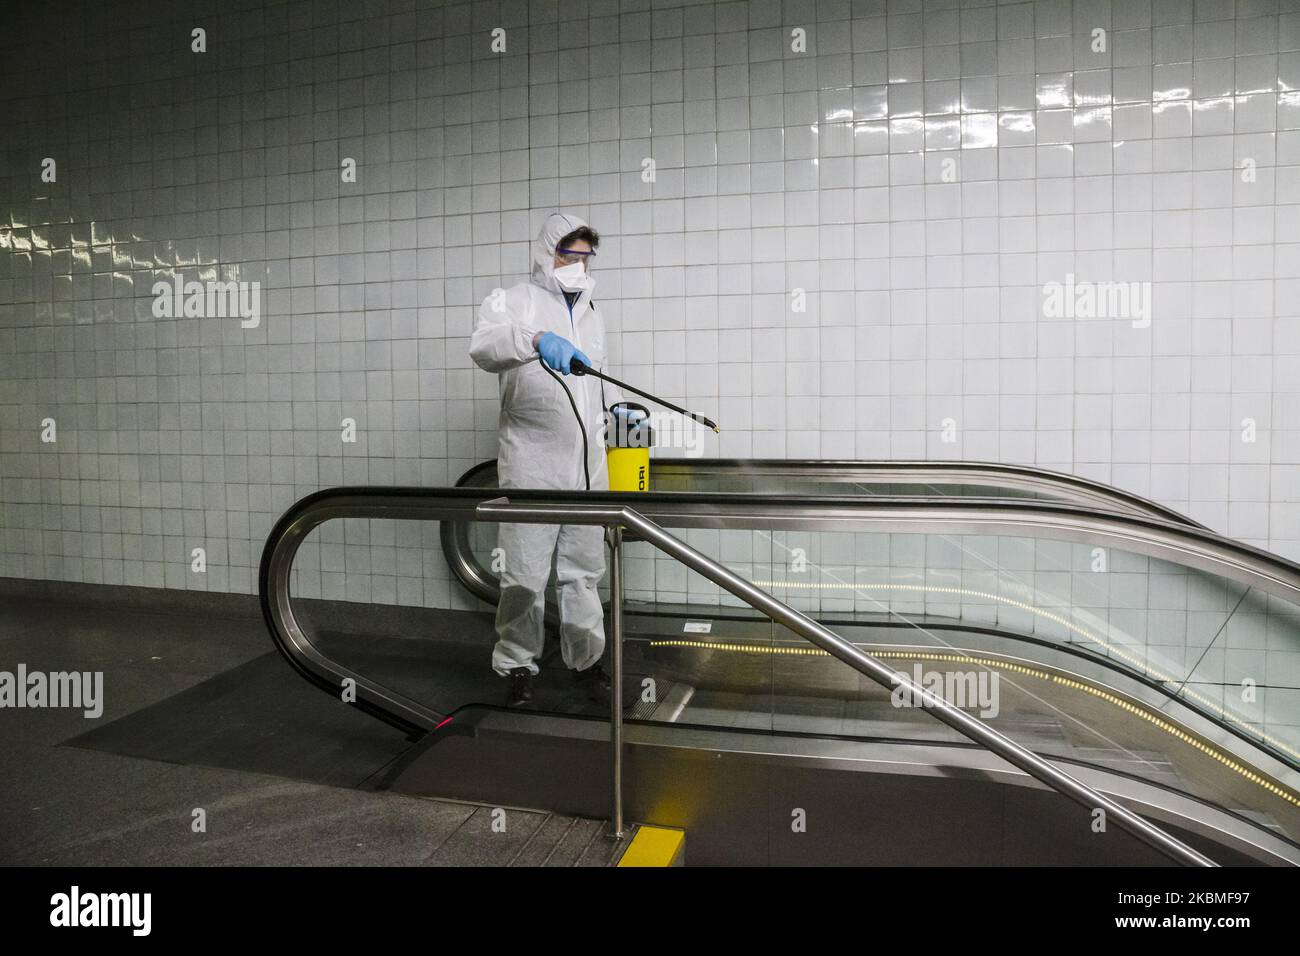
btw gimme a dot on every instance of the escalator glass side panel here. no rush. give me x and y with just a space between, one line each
928 603
1078 649
1224 649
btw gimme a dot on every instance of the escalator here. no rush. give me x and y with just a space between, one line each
1130 647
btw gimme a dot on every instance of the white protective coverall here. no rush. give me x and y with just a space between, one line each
540 447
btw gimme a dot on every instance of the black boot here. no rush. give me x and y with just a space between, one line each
521 686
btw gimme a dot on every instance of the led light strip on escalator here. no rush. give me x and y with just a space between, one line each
1070 682
1232 717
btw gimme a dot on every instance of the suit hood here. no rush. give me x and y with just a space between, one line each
554 228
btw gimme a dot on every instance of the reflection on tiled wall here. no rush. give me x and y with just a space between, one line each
1060 233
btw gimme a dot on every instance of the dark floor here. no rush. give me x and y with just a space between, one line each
203 718
201 714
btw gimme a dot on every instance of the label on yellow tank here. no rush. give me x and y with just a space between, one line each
629 469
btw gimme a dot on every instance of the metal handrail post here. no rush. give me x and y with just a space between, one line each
616 678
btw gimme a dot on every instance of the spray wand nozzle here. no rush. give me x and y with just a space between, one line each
578 367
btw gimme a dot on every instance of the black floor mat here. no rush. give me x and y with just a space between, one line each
261 717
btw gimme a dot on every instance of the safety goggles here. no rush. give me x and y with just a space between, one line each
570 256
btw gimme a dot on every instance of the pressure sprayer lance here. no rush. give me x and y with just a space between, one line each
578 367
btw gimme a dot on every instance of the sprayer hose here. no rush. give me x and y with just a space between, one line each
582 427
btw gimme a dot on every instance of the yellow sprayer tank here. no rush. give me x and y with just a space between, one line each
628 452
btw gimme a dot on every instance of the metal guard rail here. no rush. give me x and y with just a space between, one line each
994 476
1158 538
478 581
457 507
620 518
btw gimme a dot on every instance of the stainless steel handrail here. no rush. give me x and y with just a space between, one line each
967 515
616 675
502 509
1021 518
994 476
1177 543
1055 485
291 638
1207 551
1059 486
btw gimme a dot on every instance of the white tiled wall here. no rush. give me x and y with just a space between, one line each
921 172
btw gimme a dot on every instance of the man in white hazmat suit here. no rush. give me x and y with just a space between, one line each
550 319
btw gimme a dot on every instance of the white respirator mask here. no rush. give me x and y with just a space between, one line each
573 277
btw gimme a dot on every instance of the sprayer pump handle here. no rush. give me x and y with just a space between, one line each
578 367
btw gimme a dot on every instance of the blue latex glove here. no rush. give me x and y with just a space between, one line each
557 352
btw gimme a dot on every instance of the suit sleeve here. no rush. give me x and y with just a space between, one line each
501 340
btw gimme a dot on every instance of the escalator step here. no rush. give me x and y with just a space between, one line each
672 700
